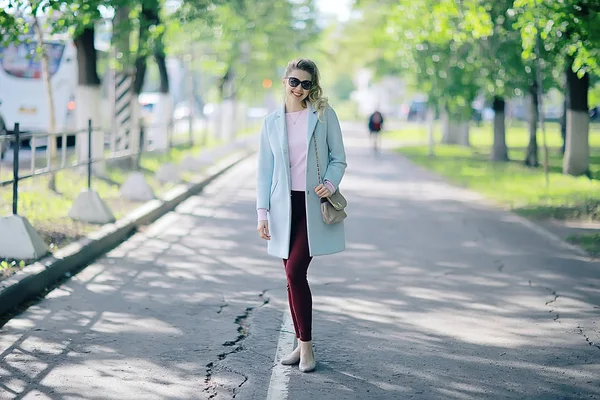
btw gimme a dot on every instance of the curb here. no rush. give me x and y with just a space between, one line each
37 278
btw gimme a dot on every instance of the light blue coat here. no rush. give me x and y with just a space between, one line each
274 181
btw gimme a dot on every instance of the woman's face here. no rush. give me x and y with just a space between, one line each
302 79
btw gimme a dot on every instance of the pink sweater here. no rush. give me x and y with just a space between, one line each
296 124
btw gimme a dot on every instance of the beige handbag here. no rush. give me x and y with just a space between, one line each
332 207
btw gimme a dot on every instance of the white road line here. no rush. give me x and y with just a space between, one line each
278 387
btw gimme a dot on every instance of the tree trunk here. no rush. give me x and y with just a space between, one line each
139 78
87 59
463 133
88 97
577 152
228 94
531 157
447 135
455 130
165 102
140 74
45 64
499 148
563 127
430 135
159 56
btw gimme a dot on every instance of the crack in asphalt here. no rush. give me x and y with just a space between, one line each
556 296
444 274
237 373
587 339
240 320
556 319
223 305
499 265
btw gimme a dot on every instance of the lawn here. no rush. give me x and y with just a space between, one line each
518 187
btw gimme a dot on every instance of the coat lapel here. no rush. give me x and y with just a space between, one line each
282 132
312 122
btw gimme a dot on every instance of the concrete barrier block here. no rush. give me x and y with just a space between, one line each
168 173
136 188
206 158
19 240
190 163
89 207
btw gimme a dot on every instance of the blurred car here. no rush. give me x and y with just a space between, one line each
148 102
595 114
257 112
183 111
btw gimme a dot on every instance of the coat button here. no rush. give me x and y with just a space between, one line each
285 152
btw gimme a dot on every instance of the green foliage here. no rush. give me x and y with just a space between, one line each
343 86
451 49
513 184
244 42
567 28
590 242
594 95
59 16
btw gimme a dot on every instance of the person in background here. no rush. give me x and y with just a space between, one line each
375 127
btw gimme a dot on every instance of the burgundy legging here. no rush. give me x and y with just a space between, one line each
296 268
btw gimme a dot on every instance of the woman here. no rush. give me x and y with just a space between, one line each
289 192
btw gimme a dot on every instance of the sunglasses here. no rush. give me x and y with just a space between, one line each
294 82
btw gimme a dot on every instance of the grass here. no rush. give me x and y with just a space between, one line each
512 184
47 210
591 242
517 135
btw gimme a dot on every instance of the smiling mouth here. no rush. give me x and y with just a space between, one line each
297 94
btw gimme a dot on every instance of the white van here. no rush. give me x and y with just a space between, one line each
23 96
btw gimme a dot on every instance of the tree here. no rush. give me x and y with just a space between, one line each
502 69
440 60
76 18
44 62
247 41
25 17
150 41
571 30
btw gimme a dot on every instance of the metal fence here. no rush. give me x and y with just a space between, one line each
12 144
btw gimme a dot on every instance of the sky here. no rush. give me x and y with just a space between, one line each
339 8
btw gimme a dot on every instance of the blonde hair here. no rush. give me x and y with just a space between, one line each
315 95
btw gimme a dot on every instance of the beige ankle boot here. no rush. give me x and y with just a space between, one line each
307 356
292 358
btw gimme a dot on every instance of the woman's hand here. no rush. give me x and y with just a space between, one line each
263 230
322 191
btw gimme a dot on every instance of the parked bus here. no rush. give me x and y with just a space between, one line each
23 96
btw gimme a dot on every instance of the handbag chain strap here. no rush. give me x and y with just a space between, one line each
317 156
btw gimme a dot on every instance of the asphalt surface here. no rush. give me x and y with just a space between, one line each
438 296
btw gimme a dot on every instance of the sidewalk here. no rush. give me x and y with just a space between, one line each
438 296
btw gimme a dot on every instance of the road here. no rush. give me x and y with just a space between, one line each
438 296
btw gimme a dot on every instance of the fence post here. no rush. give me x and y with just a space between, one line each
170 134
142 145
18 239
191 128
88 206
16 169
89 169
